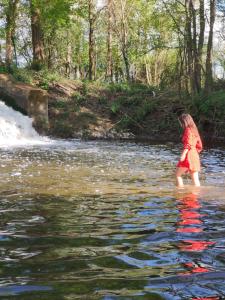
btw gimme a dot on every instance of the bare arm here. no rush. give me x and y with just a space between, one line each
183 154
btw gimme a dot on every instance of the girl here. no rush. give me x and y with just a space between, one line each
189 160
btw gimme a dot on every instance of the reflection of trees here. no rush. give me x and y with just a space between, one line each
191 222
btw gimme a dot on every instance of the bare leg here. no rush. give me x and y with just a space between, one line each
195 178
179 173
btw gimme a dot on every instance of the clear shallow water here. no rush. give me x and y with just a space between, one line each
100 220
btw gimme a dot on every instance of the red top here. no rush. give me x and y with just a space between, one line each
194 145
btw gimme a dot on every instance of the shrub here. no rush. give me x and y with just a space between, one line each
23 75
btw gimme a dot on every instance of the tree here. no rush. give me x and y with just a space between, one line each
37 35
109 68
92 21
11 10
208 71
121 13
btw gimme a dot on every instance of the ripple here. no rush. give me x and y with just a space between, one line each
99 220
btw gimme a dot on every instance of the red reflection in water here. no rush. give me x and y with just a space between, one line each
207 298
190 222
195 268
188 214
190 245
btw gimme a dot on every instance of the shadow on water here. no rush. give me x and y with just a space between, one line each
103 221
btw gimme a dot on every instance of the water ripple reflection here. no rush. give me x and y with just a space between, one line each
100 220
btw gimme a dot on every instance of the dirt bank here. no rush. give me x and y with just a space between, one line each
97 110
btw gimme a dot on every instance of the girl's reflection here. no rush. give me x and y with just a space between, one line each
191 222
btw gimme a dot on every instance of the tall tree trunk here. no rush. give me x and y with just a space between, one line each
200 44
126 62
1 61
68 64
208 75
109 68
124 38
189 45
37 37
196 88
11 14
91 9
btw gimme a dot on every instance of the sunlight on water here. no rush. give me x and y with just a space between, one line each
101 220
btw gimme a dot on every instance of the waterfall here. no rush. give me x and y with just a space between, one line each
16 129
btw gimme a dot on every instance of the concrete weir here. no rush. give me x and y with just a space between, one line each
33 101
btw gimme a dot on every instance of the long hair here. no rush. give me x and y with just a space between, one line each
187 122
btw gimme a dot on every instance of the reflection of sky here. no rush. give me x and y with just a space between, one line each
179 252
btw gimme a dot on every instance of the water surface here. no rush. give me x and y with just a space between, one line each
103 220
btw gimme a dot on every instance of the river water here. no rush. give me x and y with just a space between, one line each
103 220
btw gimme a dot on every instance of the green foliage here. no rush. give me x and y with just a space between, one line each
63 129
23 75
103 101
146 108
213 107
133 104
130 88
85 88
119 87
125 122
115 107
42 79
78 99
3 69
60 104
210 111
45 78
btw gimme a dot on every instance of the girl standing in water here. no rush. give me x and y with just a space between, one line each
192 145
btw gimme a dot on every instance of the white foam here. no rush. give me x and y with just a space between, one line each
16 129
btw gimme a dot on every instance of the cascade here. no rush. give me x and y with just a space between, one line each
16 129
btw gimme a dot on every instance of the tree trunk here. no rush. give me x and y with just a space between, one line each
109 68
208 75
37 38
189 45
68 65
126 62
91 40
195 84
124 38
11 14
200 44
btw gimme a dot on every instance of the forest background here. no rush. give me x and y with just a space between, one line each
120 68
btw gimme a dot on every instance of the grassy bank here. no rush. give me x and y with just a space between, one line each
102 110
135 110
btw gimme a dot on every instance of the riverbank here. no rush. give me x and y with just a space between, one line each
135 111
91 110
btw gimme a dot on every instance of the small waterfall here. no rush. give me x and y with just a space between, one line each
16 129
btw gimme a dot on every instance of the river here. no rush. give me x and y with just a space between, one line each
103 220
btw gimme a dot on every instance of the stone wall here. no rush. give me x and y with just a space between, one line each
32 100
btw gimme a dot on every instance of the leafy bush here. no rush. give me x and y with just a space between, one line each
144 110
78 99
213 106
3 69
60 104
63 129
23 75
211 111
45 78
130 89
115 107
